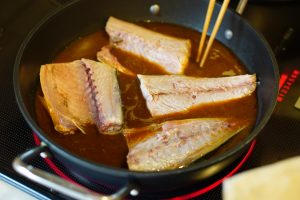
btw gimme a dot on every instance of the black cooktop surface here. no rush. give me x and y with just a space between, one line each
278 140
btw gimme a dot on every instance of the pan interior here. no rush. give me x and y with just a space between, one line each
67 24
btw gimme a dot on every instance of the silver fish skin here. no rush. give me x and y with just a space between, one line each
106 97
82 93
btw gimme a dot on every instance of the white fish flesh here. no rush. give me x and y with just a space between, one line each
105 56
178 143
170 53
65 95
168 94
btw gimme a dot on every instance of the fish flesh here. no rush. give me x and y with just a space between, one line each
65 95
178 143
168 94
170 53
82 93
105 56
106 96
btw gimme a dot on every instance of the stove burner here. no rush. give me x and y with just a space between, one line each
188 195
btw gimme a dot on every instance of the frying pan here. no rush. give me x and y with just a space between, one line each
81 17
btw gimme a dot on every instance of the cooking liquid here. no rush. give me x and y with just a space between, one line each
112 150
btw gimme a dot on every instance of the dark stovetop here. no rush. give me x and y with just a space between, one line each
278 140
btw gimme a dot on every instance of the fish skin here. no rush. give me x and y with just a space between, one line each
65 95
169 94
106 96
171 53
82 93
178 143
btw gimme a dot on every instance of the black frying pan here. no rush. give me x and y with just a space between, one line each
81 17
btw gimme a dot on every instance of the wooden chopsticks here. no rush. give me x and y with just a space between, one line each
214 32
209 13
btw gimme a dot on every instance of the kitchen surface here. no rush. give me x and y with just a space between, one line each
277 20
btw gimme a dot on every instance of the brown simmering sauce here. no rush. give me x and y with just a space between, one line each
112 150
